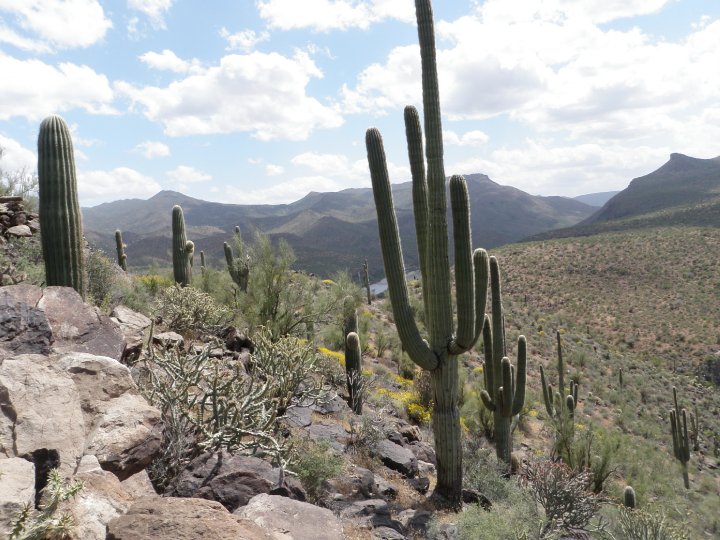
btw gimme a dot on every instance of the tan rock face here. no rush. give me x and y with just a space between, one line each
182 519
17 488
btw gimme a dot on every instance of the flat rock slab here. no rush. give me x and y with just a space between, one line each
287 519
23 327
170 518
336 435
397 458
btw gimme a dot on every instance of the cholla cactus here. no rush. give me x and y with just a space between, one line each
504 392
62 236
120 247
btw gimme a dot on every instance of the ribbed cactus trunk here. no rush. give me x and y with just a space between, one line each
120 247
62 237
181 249
439 353
366 282
353 356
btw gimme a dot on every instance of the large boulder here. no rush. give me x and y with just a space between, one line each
41 410
124 431
233 480
397 458
287 519
170 518
23 327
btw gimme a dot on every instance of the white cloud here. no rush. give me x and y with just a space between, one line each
37 89
282 193
153 149
168 60
52 24
274 170
122 182
15 156
243 41
154 9
347 173
264 94
469 138
325 15
184 174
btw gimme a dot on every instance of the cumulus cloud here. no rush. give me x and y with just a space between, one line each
168 60
184 174
15 156
49 24
37 89
244 41
325 15
264 94
274 170
97 186
153 149
283 192
154 9
469 138
346 172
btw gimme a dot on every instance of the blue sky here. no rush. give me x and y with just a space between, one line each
262 101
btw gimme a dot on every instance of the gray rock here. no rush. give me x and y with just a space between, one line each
170 518
287 519
384 489
19 231
397 458
416 521
386 533
423 451
233 480
299 417
168 339
334 406
132 324
17 478
24 328
334 434
420 484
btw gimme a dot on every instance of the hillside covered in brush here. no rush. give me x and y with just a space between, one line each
328 231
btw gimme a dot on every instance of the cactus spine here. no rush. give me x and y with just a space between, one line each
182 249
353 357
504 392
120 247
439 355
62 237
629 497
366 282
681 440
239 268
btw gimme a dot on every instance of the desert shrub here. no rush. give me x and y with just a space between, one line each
484 473
186 308
100 278
21 262
154 283
365 436
209 404
315 462
564 495
639 524
35 525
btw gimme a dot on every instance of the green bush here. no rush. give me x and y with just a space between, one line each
185 308
315 462
639 524
100 278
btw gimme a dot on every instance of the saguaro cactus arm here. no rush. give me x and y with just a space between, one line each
62 237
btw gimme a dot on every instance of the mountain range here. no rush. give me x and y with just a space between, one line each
328 231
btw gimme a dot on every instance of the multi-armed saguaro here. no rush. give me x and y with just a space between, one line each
182 249
681 440
558 404
62 237
120 247
504 392
439 356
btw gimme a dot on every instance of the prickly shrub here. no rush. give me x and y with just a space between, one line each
186 309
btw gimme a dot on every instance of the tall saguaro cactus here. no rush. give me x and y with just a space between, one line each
120 247
366 282
439 354
62 237
182 249
680 438
504 392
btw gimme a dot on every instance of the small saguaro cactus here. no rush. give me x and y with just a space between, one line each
504 392
629 497
681 440
120 247
366 282
239 268
445 342
62 237
182 250
353 357
202 262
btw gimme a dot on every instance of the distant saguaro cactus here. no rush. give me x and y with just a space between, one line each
239 268
366 282
559 403
629 497
182 249
439 354
62 236
120 247
504 392
680 438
